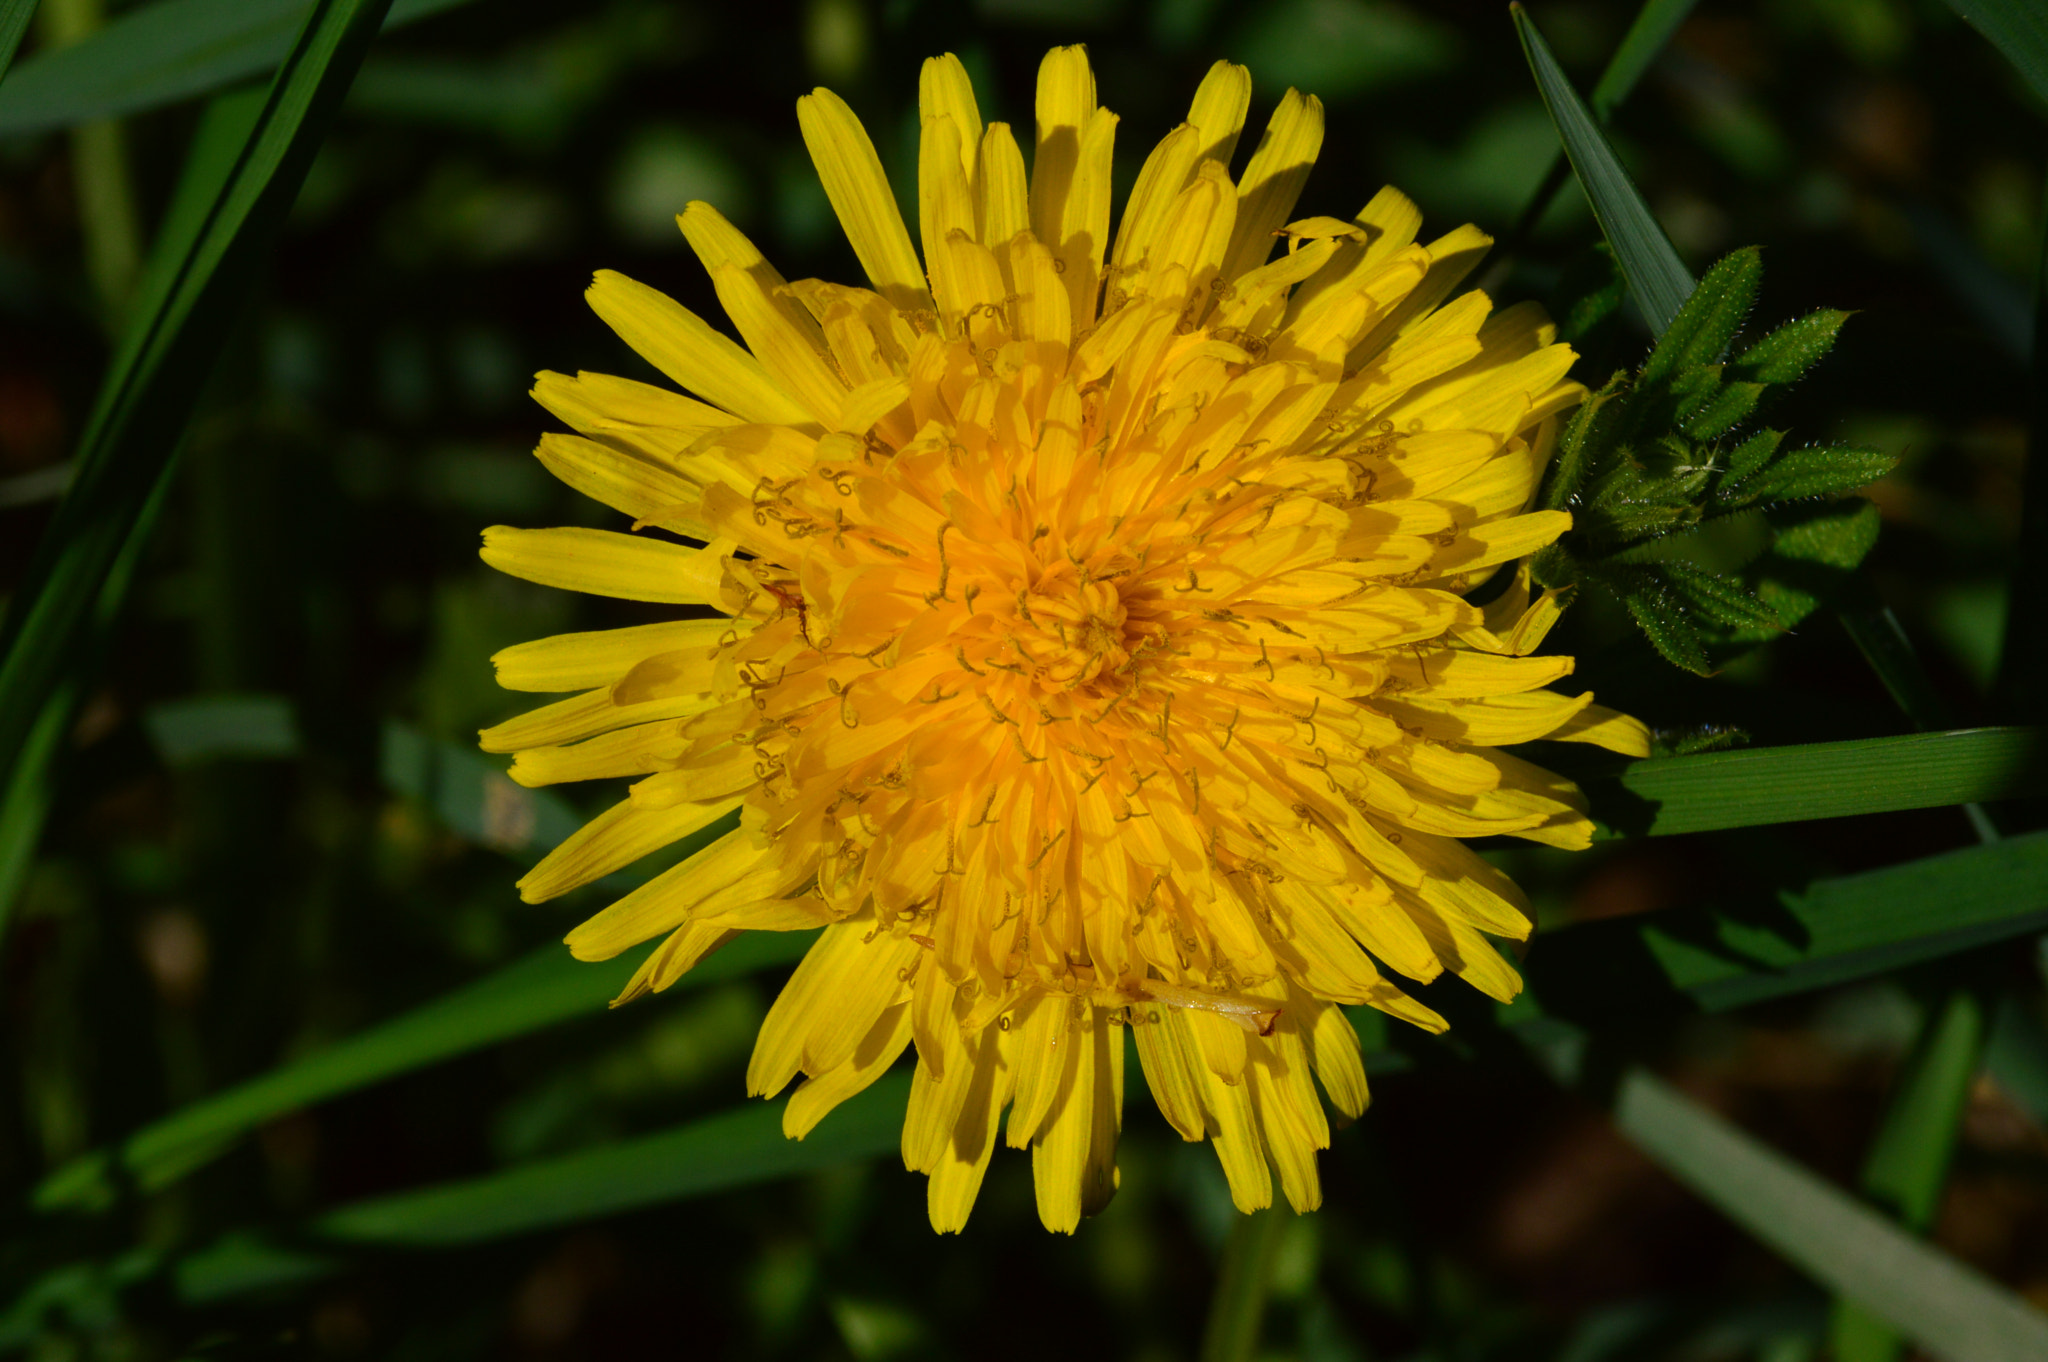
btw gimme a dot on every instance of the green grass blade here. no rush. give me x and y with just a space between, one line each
736 1148
1654 24
1833 931
206 268
733 1149
1655 275
14 21
2018 29
1667 795
545 989
1909 1161
1949 1309
161 53
2022 687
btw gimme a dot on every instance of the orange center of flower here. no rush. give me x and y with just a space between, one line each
1070 632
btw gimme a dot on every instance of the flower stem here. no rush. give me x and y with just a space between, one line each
1239 1306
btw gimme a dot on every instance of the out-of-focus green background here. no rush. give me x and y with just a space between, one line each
205 906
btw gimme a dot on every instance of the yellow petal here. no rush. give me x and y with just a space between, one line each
782 336
1002 202
944 91
1273 181
860 195
682 345
603 563
612 841
577 661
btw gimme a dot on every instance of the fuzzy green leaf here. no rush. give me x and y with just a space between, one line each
1818 471
1786 354
14 19
1728 407
1752 454
1705 327
1665 621
1719 600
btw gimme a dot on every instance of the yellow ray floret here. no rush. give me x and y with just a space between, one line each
1089 652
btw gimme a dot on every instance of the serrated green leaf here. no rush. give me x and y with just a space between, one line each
1786 354
2018 29
1666 622
1747 457
1729 406
1582 447
1656 277
1719 600
1818 471
156 54
1705 326
1838 536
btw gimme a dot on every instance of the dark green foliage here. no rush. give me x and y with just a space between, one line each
1655 461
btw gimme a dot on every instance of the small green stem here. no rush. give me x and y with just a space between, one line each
107 216
1239 1306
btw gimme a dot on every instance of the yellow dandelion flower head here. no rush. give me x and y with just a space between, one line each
1088 651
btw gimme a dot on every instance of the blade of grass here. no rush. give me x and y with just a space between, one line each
1949 1309
14 20
164 52
1655 275
543 990
2018 29
207 266
737 1148
1622 970
1238 1308
1909 1161
2023 658
1654 24
1664 796
25 796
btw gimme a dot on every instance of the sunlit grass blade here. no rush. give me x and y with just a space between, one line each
543 990
162 52
1947 1308
205 271
2017 28
1757 787
14 21
1908 1162
1831 932
1655 275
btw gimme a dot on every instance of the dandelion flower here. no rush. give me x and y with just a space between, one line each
1087 650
